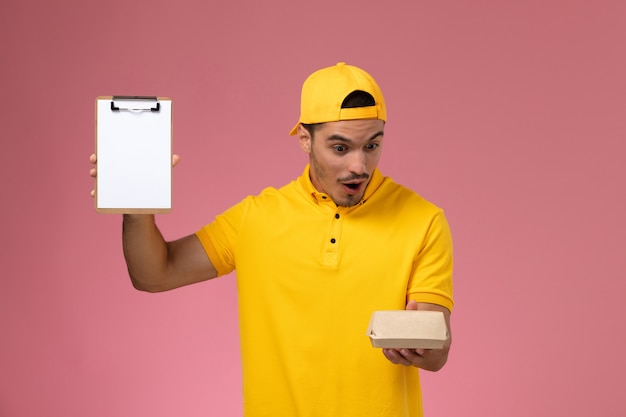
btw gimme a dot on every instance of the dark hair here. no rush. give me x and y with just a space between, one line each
357 98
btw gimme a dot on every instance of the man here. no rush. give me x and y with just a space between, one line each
314 259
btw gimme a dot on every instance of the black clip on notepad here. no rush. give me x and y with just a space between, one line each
156 108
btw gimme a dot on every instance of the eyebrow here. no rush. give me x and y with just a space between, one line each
344 139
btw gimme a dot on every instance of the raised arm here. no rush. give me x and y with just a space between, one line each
155 265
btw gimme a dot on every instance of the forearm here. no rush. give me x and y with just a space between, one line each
145 251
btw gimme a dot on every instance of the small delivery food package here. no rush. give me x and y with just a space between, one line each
411 329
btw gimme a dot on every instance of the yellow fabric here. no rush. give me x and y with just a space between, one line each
324 91
305 302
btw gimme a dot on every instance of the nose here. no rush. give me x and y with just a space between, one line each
357 163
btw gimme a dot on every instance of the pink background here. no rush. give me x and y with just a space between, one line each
509 114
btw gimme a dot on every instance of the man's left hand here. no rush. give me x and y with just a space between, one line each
428 359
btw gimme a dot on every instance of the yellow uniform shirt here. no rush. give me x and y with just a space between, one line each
309 275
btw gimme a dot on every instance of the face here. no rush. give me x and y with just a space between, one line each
343 156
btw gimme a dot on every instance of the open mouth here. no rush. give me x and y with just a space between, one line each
354 184
352 188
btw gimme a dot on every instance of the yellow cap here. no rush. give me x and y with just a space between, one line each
324 91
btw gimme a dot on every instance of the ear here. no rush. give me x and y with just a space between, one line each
304 139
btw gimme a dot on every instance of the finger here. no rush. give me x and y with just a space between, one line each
395 357
92 158
412 355
391 356
93 193
175 160
93 172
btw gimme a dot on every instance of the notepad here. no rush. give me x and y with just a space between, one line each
134 154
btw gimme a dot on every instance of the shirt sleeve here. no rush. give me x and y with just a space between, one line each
219 238
431 278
